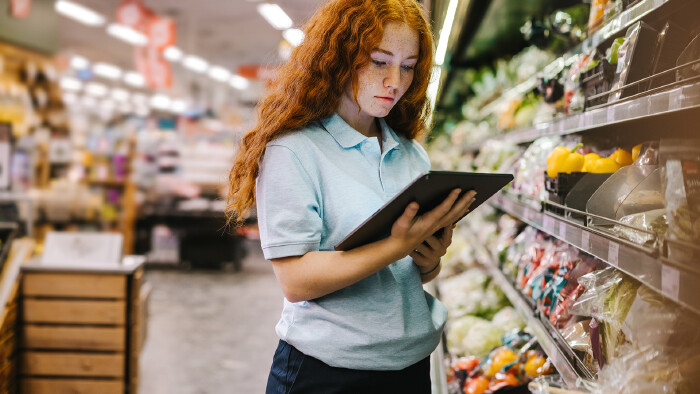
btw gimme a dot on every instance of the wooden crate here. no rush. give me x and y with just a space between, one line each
74 311
71 386
73 337
77 332
72 285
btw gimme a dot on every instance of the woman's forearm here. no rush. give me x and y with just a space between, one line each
316 274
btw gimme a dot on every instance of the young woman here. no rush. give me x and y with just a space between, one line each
334 142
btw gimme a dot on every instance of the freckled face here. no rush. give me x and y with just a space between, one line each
389 73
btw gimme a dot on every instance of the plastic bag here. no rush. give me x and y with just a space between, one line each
560 315
654 221
681 181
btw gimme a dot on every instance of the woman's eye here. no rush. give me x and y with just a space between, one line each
408 68
378 62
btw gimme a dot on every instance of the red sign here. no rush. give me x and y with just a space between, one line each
20 8
160 32
131 13
257 72
156 71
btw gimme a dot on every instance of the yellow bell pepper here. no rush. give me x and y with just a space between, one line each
564 160
636 151
588 161
622 157
604 165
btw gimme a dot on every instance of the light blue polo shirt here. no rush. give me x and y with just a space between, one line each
315 186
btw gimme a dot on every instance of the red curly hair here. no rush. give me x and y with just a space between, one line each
340 37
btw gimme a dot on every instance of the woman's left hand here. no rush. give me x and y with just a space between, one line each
428 254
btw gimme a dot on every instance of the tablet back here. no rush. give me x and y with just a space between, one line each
429 190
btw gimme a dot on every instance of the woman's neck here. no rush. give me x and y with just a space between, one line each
363 123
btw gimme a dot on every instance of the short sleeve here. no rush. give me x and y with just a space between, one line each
287 205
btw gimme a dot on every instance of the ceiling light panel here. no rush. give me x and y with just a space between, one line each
79 13
275 16
174 54
219 73
134 79
120 95
107 70
239 82
293 36
195 63
95 89
72 84
160 101
127 34
79 62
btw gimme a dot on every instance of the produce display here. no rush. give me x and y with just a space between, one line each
488 349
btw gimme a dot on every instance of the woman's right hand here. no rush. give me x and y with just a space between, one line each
411 230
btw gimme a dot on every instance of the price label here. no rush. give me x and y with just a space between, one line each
658 3
611 114
562 230
548 223
586 240
613 253
670 282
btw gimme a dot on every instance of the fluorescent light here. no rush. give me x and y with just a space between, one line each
134 79
219 73
127 34
174 54
79 62
79 13
95 89
239 82
68 83
120 95
195 63
178 106
107 70
275 16
160 101
293 36
433 86
445 32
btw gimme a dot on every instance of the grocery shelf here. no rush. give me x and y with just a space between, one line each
613 28
673 280
545 334
680 105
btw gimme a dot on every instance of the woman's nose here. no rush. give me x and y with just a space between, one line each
393 77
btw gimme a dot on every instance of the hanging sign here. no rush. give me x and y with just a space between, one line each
257 72
20 8
156 71
131 13
160 32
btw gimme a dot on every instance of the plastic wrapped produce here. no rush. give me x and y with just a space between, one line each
653 221
529 170
681 180
508 319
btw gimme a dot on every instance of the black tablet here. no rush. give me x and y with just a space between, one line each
428 190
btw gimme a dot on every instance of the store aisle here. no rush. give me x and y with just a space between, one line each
211 332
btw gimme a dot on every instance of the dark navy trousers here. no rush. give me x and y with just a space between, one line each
294 372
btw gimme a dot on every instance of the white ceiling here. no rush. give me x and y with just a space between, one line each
227 33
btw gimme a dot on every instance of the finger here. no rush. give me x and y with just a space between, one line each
458 211
423 249
434 243
408 215
419 259
445 206
446 238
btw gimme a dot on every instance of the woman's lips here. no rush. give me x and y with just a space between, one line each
385 100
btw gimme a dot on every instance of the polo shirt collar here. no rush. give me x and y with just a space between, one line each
348 137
